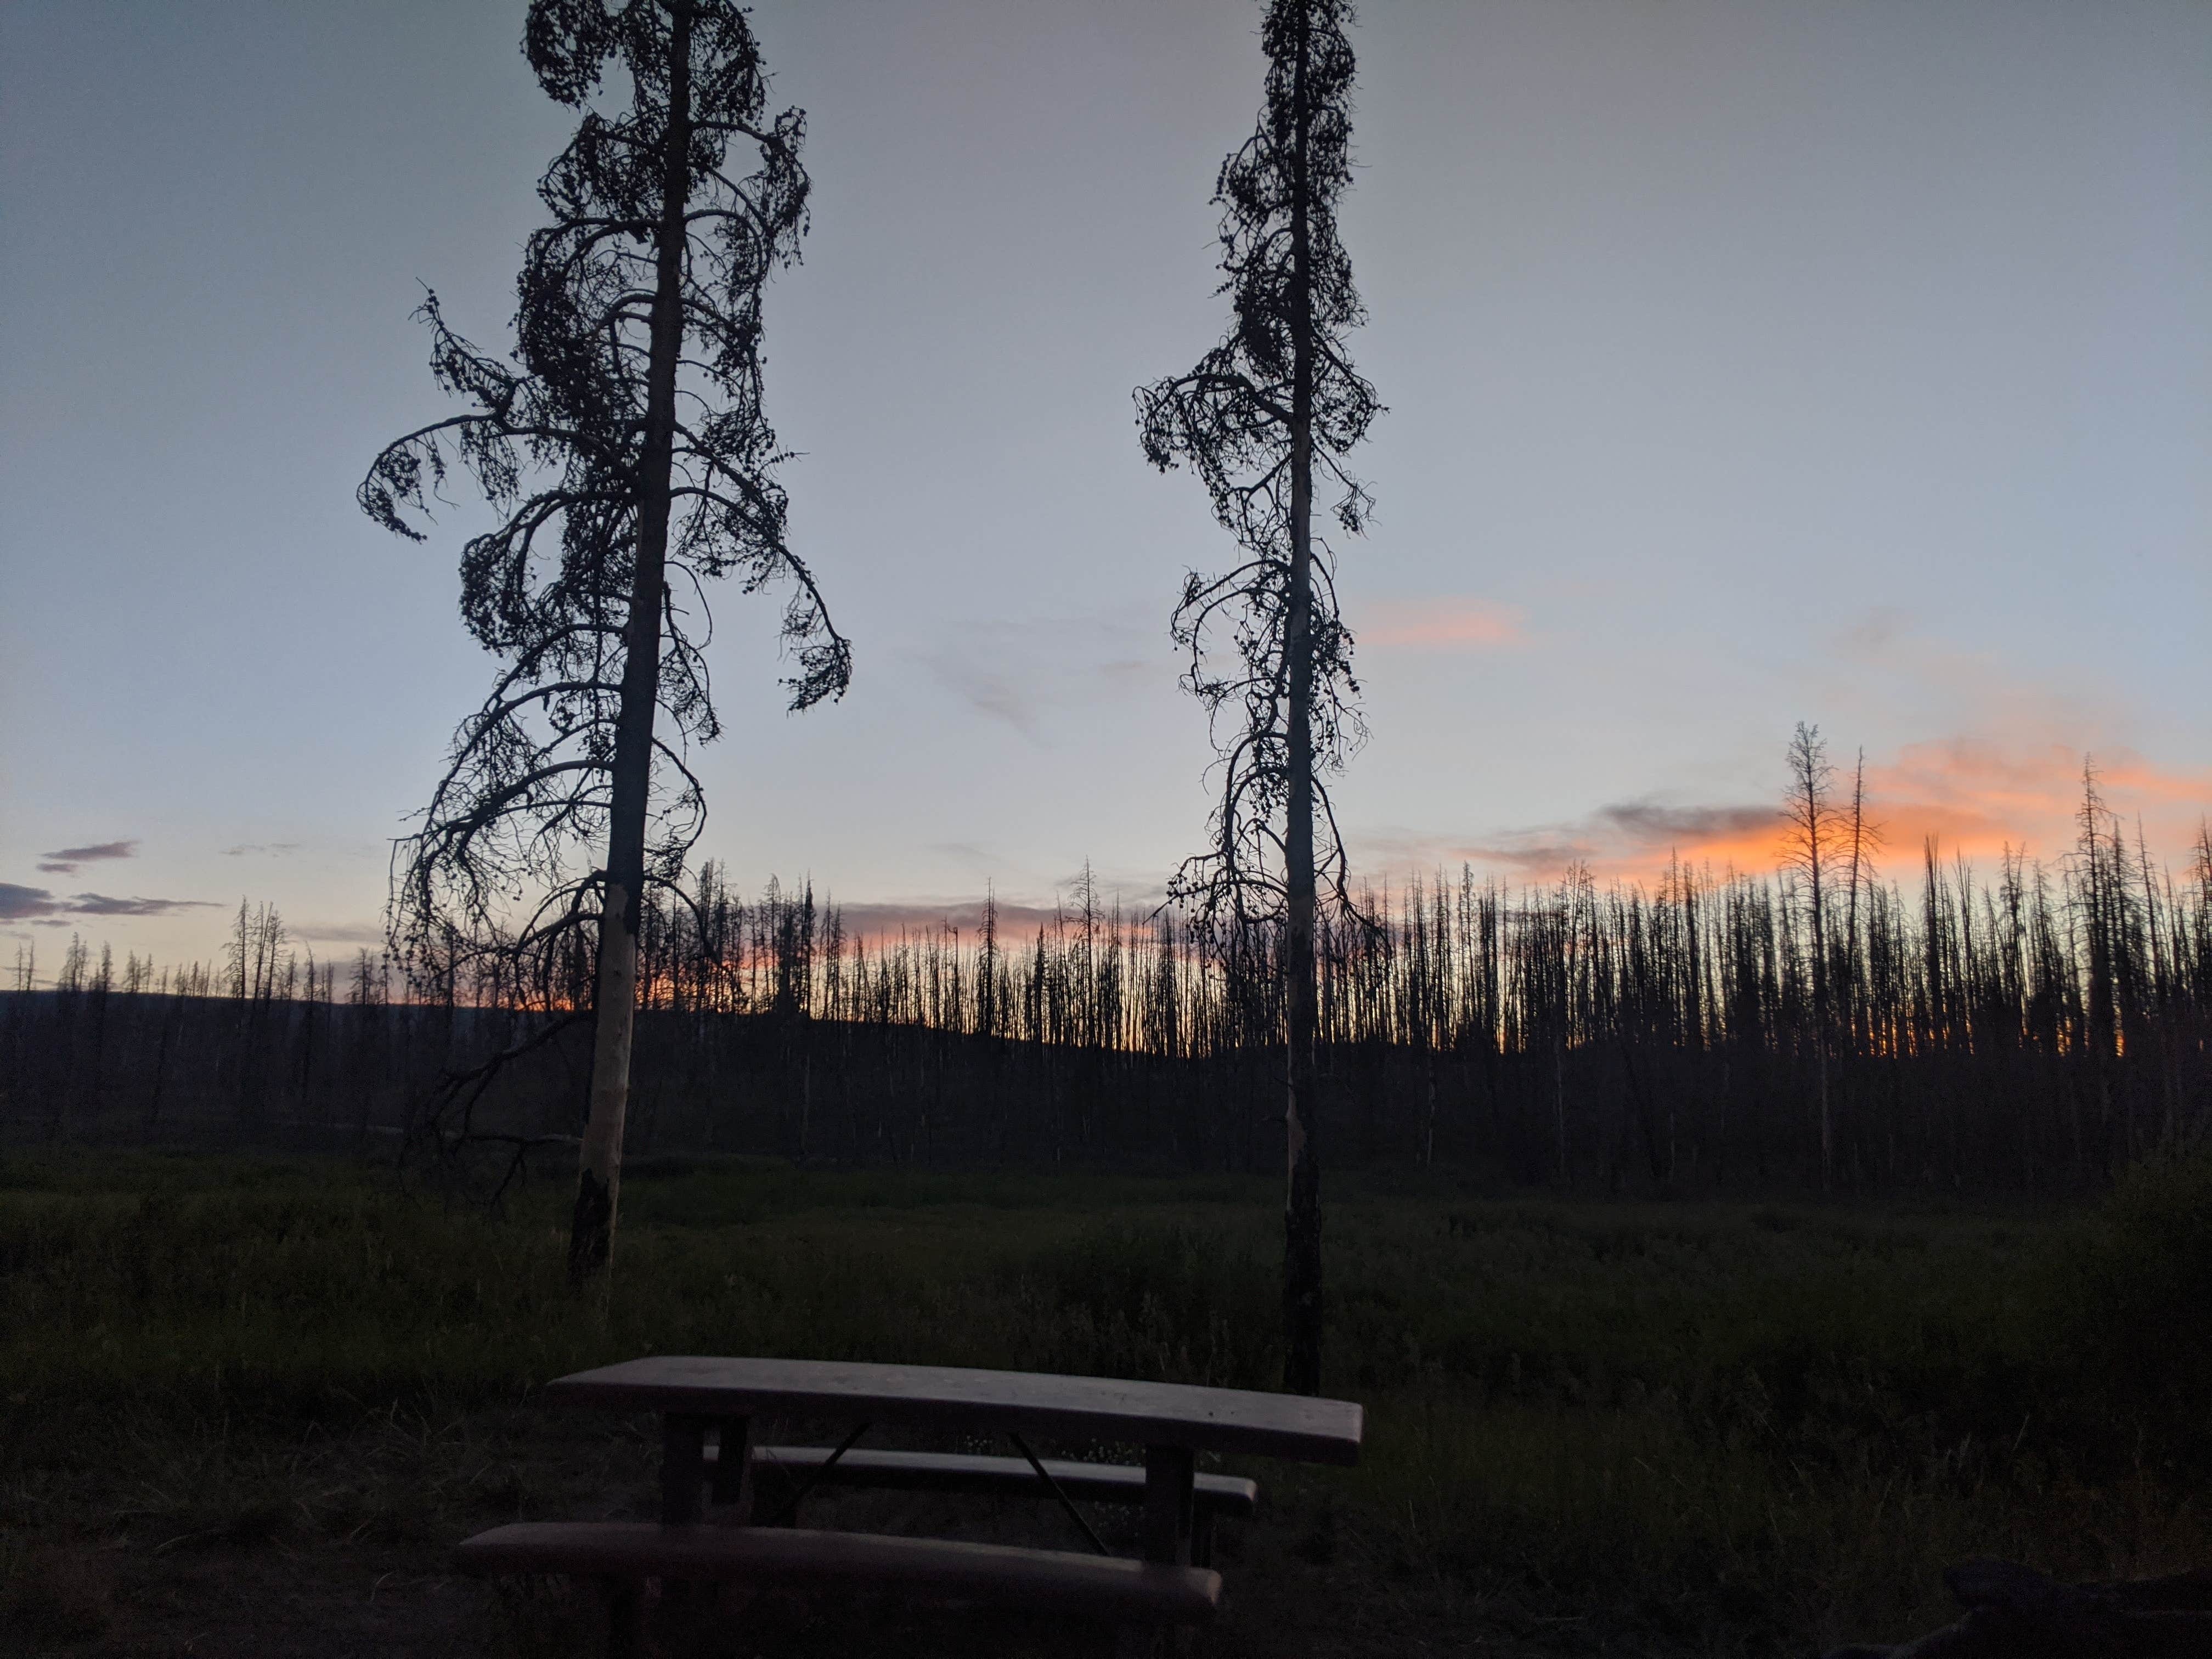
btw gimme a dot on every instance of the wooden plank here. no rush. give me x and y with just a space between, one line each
912 1471
1110 1408
1105 1587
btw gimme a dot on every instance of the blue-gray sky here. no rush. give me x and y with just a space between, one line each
1746 363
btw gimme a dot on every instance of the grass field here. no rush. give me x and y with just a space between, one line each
247 1404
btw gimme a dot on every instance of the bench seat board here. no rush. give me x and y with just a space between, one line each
1108 1587
1107 1409
1102 1483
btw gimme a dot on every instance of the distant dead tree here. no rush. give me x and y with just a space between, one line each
1276 399
1812 830
625 447
1866 839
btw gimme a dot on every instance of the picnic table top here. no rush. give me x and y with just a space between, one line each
1150 1413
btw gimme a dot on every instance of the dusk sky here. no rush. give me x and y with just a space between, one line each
1745 363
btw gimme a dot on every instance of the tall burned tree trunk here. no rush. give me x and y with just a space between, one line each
598 1181
1276 400
1302 1281
627 451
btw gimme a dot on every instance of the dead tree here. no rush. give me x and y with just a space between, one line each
626 449
1808 846
1275 401
1866 840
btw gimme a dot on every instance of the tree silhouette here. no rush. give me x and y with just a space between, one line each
1809 848
1277 398
625 448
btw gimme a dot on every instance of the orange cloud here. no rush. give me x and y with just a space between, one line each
1444 624
1976 796
1973 796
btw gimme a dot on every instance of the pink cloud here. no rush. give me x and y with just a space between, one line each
1444 624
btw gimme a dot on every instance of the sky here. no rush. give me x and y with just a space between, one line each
1846 362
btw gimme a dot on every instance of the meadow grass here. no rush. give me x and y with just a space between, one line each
1708 1428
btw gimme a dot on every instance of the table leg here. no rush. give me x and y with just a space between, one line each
776 1497
682 1468
1170 1478
1171 1481
683 1483
1201 1539
625 1599
733 1458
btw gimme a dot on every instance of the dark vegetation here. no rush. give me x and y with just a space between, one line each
251 1401
2034 1033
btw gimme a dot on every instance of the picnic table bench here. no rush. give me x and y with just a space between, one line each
710 1467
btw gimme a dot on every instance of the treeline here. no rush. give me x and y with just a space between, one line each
257 1044
2031 1028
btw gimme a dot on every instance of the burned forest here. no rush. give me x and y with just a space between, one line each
2033 1028
1042 867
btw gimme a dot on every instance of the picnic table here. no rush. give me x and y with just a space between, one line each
725 1502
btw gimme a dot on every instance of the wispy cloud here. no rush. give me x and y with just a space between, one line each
275 849
1627 838
887 919
972 853
23 903
1442 625
66 861
1535 854
1653 824
19 904
1020 672
338 932
877 920
1001 695
98 904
